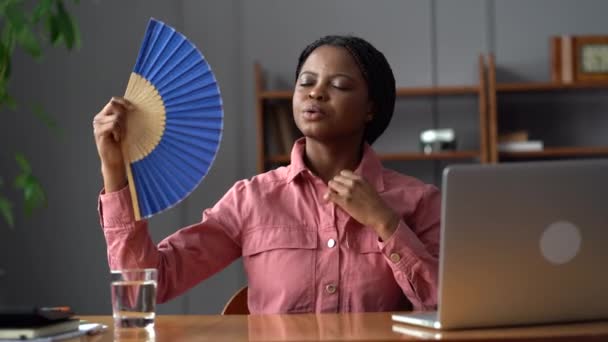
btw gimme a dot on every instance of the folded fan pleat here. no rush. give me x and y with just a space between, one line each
170 158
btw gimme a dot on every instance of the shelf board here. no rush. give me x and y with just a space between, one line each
402 156
430 156
548 86
403 91
439 90
276 94
281 158
559 152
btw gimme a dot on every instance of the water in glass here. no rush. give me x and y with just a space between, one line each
134 303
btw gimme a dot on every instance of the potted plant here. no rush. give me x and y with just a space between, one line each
30 28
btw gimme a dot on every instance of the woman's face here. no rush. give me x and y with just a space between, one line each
330 100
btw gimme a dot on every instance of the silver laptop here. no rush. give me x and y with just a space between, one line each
521 243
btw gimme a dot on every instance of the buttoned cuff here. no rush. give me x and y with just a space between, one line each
115 208
403 248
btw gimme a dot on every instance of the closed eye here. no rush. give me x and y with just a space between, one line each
340 87
342 83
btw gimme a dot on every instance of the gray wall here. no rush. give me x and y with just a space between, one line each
58 256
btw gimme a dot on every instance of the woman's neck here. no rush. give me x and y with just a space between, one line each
327 160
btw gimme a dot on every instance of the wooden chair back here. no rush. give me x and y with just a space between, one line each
237 304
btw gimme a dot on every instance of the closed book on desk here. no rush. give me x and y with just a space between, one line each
28 332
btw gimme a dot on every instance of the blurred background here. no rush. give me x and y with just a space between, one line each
58 257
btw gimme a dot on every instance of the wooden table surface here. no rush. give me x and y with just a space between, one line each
333 327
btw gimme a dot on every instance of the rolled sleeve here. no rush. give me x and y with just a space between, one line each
115 208
183 259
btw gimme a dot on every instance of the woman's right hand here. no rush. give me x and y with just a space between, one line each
109 129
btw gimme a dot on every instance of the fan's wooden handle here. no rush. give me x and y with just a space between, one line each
134 200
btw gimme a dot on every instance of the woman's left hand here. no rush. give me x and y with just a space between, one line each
361 201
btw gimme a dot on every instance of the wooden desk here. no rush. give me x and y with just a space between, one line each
338 327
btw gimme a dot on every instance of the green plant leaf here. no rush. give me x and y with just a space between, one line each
51 28
9 101
4 4
65 25
28 41
23 163
5 55
33 195
43 9
8 39
6 69
21 180
77 40
6 210
15 16
6 99
48 120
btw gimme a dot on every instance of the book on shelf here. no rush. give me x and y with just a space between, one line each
513 136
521 146
562 62
288 128
282 129
517 141
273 132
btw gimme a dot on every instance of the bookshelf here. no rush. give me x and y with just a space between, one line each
266 99
495 89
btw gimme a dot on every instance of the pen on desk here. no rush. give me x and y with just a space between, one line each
92 328
56 308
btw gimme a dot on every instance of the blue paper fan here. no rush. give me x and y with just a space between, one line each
174 132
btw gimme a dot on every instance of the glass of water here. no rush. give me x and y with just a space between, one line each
134 298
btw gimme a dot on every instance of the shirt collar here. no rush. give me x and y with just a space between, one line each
369 168
297 165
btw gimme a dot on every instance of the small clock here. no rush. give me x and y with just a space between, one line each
590 58
579 58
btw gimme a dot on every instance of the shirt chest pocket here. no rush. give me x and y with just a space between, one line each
280 267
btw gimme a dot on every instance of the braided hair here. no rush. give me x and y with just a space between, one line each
375 70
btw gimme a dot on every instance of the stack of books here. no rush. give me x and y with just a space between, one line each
22 323
518 142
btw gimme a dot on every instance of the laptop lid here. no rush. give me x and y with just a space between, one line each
524 243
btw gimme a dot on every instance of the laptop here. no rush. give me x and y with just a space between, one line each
521 243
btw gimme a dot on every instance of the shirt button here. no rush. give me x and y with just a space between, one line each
395 257
331 243
331 288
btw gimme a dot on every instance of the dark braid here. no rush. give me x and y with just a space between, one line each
376 72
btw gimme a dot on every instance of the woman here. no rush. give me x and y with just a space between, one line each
332 232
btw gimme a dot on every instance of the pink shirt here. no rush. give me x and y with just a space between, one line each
300 253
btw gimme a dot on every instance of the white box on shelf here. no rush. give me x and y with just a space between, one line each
521 146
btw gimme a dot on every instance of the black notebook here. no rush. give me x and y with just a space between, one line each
39 331
28 322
